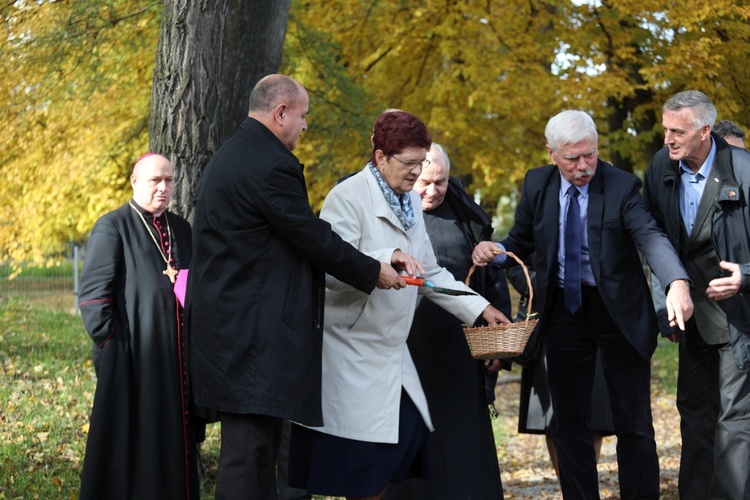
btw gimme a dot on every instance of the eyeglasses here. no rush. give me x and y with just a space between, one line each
412 164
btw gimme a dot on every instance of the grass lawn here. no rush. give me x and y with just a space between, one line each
46 390
47 387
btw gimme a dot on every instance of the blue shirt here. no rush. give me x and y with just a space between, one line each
691 188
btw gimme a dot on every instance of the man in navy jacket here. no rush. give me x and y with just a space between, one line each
614 310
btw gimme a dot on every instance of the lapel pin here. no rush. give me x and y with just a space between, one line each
716 180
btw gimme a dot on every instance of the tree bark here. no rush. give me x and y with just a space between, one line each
210 54
619 120
254 41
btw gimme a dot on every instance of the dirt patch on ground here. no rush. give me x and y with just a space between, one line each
524 462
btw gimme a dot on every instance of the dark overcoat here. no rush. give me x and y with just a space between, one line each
255 289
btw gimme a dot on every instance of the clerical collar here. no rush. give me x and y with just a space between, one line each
156 215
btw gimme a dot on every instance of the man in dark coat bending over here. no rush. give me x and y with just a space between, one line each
585 222
140 442
255 292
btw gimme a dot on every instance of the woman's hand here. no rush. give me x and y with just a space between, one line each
405 262
493 317
493 365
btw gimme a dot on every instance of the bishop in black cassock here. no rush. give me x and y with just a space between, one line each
140 442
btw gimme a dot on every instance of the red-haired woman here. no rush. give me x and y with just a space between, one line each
377 423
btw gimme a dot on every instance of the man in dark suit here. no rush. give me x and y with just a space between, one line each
256 287
585 223
697 190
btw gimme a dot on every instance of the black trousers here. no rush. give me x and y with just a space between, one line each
247 461
713 398
572 341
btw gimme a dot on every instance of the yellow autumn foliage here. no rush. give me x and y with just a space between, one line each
74 103
486 76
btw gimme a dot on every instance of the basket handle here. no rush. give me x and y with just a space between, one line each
499 251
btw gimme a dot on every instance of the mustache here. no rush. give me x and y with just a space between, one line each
585 173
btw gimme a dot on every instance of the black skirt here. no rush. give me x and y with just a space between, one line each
323 464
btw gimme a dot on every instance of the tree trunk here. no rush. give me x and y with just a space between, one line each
197 41
616 121
619 119
253 43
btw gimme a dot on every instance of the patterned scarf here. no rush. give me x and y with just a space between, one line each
399 203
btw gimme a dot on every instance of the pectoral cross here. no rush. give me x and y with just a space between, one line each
171 272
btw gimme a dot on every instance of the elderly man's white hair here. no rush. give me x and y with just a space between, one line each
442 151
569 127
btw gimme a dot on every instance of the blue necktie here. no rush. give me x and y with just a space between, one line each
572 285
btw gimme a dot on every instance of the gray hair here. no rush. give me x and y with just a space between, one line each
442 151
727 128
569 127
271 91
704 111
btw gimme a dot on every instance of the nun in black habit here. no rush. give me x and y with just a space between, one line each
459 389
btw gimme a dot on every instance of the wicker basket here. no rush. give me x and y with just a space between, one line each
501 341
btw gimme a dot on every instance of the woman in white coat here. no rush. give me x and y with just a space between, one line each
374 409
